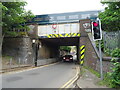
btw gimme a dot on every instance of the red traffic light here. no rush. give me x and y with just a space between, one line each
95 24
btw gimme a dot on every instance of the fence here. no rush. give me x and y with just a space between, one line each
111 40
10 63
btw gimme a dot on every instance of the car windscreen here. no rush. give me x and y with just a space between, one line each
68 55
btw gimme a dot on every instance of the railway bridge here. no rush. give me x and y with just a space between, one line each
65 29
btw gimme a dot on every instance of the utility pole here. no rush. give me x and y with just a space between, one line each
36 54
35 50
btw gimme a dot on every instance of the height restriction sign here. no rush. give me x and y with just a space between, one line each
54 26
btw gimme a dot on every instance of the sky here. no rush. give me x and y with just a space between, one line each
39 7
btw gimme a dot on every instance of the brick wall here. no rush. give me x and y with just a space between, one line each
92 57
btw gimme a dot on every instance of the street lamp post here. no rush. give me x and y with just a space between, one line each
35 48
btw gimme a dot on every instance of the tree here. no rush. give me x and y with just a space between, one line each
14 16
110 18
65 48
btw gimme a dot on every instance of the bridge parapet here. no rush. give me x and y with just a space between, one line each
59 30
62 24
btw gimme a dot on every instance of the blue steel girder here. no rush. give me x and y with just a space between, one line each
73 17
64 17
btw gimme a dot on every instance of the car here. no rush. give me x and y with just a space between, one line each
68 58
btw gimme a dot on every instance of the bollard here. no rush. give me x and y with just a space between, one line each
25 62
10 63
19 62
33 62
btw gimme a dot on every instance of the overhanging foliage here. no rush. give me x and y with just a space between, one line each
14 16
110 18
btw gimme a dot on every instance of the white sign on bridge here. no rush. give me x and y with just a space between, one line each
44 30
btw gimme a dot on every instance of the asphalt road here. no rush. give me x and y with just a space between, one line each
53 76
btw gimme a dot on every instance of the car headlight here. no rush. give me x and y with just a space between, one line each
71 58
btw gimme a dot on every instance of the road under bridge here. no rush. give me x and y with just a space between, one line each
54 30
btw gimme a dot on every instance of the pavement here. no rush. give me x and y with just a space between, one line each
88 80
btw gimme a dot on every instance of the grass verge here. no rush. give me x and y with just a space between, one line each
106 81
92 71
107 78
82 71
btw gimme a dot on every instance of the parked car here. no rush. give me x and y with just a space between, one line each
68 58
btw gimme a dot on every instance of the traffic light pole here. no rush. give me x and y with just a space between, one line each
100 56
97 36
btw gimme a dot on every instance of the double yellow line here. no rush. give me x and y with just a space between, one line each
71 81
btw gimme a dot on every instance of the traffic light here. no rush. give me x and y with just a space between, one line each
96 30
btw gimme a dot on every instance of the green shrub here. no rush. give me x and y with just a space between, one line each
107 52
102 45
112 79
115 74
116 53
